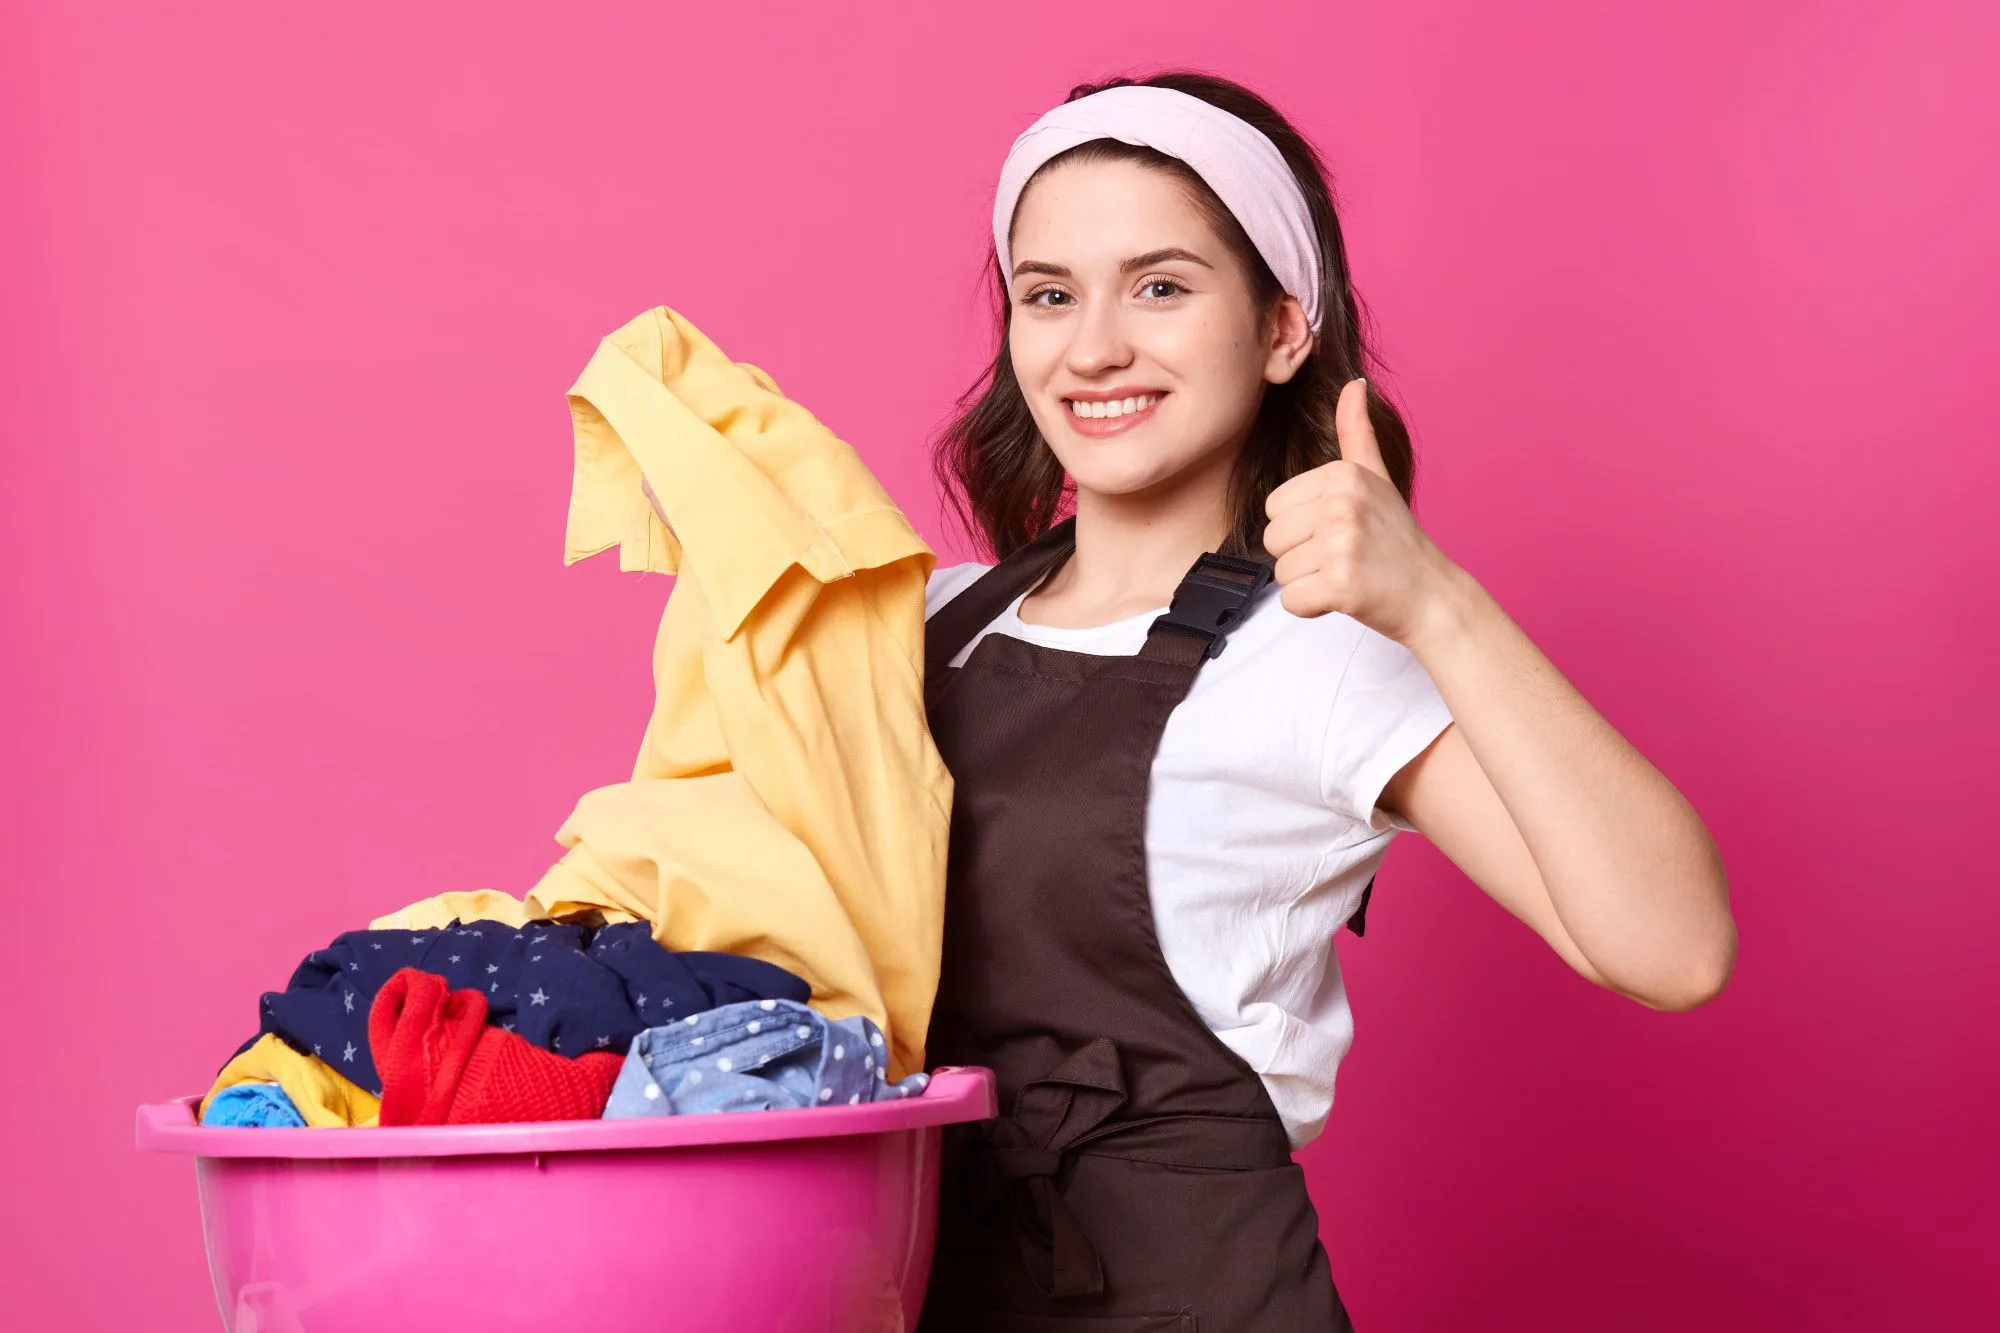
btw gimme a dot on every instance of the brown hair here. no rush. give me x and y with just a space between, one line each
1005 484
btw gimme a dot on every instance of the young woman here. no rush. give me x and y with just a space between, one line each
1186 720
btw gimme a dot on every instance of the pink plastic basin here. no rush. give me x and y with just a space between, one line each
820 1219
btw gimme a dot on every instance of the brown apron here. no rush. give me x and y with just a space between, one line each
1138 1180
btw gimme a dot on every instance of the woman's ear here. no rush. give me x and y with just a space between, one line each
1291 340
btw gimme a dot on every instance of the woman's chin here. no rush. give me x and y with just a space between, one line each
1123 483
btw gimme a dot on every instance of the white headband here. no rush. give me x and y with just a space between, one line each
1234 157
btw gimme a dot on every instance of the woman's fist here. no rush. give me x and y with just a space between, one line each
1344 540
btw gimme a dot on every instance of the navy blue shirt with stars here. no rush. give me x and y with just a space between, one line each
570 989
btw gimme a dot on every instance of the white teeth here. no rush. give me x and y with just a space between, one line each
1115 408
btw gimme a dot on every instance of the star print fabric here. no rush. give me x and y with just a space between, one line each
765 1055
563 987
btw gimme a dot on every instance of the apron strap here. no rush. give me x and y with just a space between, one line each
1210 602
973 610
1358 923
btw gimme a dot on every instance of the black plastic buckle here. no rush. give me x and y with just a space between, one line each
1208 603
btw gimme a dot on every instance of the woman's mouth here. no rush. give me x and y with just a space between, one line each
1109 416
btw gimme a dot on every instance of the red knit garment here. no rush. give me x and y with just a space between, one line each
442 1065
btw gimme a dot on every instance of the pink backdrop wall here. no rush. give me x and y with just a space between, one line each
1693 307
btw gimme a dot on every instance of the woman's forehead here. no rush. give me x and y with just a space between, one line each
1090 215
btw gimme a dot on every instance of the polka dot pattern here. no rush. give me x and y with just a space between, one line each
756 1055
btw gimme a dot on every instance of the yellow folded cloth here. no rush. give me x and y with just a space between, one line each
324 1099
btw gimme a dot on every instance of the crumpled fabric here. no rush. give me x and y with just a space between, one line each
787 801
443 1064
564 987
252 1106
761 1056
459 907
322 1097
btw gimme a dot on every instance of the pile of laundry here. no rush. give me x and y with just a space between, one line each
754 920
486 1023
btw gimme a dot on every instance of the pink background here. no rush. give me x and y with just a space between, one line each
1693 308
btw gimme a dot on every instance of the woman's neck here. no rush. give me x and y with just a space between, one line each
1131 553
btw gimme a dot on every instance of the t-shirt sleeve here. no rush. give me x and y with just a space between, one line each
1386 710
947 582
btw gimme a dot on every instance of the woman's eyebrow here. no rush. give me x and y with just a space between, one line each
1163 256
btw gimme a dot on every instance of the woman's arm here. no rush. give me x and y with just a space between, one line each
1547 808
1530 791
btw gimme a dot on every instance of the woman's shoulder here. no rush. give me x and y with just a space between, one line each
1275 630
1327 665
1330 649
1322 706
948 581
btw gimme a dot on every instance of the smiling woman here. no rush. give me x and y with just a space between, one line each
994 459
1153 841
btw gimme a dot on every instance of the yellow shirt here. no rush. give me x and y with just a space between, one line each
787 802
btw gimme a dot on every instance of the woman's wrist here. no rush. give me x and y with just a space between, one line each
1446 612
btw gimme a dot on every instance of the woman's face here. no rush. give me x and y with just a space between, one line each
1123 291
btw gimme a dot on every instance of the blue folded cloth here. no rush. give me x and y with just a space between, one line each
252 1106
760 1055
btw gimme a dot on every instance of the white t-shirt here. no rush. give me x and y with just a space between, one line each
1261 829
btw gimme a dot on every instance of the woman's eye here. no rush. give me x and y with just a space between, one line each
1156 289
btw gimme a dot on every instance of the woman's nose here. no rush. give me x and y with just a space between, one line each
1098 340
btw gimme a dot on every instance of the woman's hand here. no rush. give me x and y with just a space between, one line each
1345 541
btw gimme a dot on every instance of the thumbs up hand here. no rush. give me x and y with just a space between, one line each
1344 540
